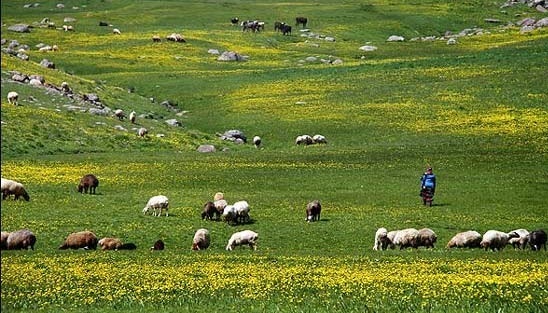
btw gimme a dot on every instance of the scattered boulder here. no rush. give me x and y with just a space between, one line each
234 135
213 51
395 38
173 122
47 64
206 148
232 56
368 48
20 28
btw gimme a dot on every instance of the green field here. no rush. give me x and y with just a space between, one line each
475 111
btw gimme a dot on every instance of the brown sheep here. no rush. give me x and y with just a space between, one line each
158 245
110 243
11 187
210 211
426 238
313 210
201 239
84 239
88 182
21 240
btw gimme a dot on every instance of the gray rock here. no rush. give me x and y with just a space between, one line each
101 112
542 22
231 56
395 38
173 122
233 134
20 28
206 148
47 64
368 48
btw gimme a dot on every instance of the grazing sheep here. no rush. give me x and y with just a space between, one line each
313 211
304 140
21 240
142 132
234 20
210 211
218 196
132 117
406 238
84 239
13 97
467 239
242 211
68 28
156 38
319 139
176 37
10 187
65 88
201 239
158 245
108 243
229 214
88 182
301 20
128 246
4 240
521 241
286 29
381 239
156 204
257 141
537 239
426 238
220 205
246 237
496 240
119 113
116 31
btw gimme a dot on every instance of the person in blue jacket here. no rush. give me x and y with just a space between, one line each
428 181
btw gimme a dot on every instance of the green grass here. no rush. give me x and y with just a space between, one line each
475 111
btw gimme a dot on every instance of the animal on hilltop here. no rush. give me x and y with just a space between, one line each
10 187
245 237
88 182
156 205
467 239
201 239
80 240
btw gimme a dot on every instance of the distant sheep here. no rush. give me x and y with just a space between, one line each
128 246
319 139
176 37
10 187
108 243
119 113
142 132
467 239
158 245
257 141
156 38
381 239
304 140
426 238
521 241
68 28
4 240
218 196
537 239
88 182
132 117
156 205
20 240
116 31
406 238
246 237
496 240
220 205
201 239
84 239
13 97
210 212
313 211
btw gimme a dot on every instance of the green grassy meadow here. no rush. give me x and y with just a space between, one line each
475 111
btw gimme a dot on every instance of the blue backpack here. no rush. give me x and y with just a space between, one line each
429 180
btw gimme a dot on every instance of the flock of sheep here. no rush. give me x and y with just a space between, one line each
492 239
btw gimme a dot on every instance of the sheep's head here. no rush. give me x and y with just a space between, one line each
513 235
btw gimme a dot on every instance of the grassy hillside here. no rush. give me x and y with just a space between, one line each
475 111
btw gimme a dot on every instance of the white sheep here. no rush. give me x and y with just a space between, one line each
406 238
521 241
201 239
229 214
10 187
13 97
467 239
132 117
304 140
220 205
116 31
496 240
142 132
68 28
20 240
218 196
242 211
257 141
319 139
390 236
156 204
246 237
426 238
381 239
119 113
